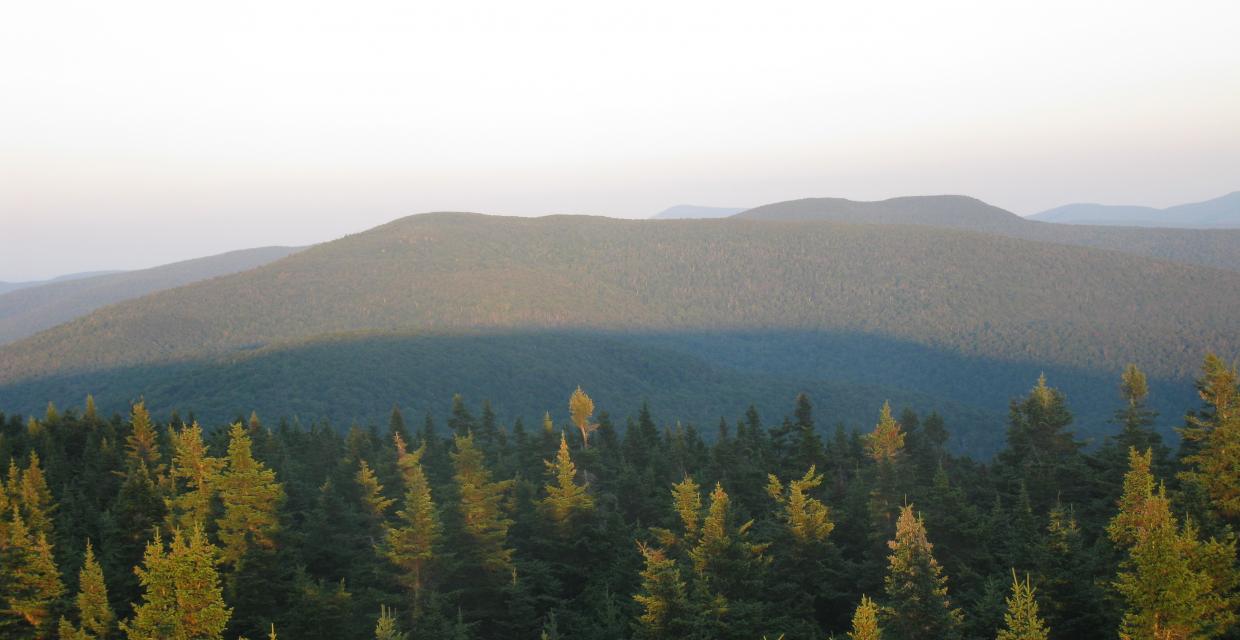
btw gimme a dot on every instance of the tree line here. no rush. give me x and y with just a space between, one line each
132 527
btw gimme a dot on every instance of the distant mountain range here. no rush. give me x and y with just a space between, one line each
936 303
6 287
689 211
31 309
1219 213
1218 248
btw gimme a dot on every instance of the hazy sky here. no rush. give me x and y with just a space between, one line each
138 133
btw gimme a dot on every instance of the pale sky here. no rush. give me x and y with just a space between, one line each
139 133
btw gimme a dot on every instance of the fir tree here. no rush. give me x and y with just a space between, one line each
373 500
581 408
182 598
35 498
142 443
30 584
917 605
410 544
663 598
250 497
95 617
566 500
1212 438
1021 621
481 506
865 621
197 475
886 442
806 517
386 627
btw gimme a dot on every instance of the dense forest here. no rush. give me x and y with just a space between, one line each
585 528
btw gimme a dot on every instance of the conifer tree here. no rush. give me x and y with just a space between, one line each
30 582
1135 418
142 443
581 408
250 497
886 442
663 598
1212 438
95 617
35 497
865 621
410 544
481 506
182 598
386 627
1021 621
806 517
1175 585
566 500
917 605
196 476
373 500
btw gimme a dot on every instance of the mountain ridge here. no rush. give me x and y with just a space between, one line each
1217 213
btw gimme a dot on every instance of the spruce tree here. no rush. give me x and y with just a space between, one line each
917 606
182 598
865 621
95 616
566 501
481 506
806 517
250 497
196 476
410 543
1212 438
663 597
30 582
386 627
581 408
142 443
35 498
1021 621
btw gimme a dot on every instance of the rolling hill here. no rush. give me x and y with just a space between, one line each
1219 213
30 310
761 308
1218 248
6 287
689 211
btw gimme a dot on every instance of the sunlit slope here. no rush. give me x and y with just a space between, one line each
1207 247
966 293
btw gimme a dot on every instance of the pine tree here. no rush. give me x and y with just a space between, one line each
581 408
1021 621
865 622
251 497
182 598
197 476
566 500
410 544
1175 585
917 605
1212 438
481 506
806 517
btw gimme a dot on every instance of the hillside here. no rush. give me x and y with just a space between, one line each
6 287
796 303
30 310
1219 213
1212 248
689 211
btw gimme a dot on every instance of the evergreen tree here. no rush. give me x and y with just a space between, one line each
481 506
95 617
806 517
865 622
196 475
566 500
1174 585
386 627
1212 438
410 544
250 497
373 501
1021 622
182 599
142 443
30 582
663 598
917 606
886 442
581 408
35 498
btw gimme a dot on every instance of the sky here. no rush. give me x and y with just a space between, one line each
139 133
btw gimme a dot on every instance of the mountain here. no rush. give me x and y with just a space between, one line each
689 211
1218 248
686 314
1219 213
6 287
32 309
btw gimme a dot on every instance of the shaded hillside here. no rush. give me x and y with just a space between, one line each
1219 213
689 211
32 309
1212 248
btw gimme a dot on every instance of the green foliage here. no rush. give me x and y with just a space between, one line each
250 497
865 622
566 500
917 605
182 598
1021 621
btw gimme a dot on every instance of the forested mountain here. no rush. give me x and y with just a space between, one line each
908 311
686 211
6 287
1220 213
1212 248
597 526
32 309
